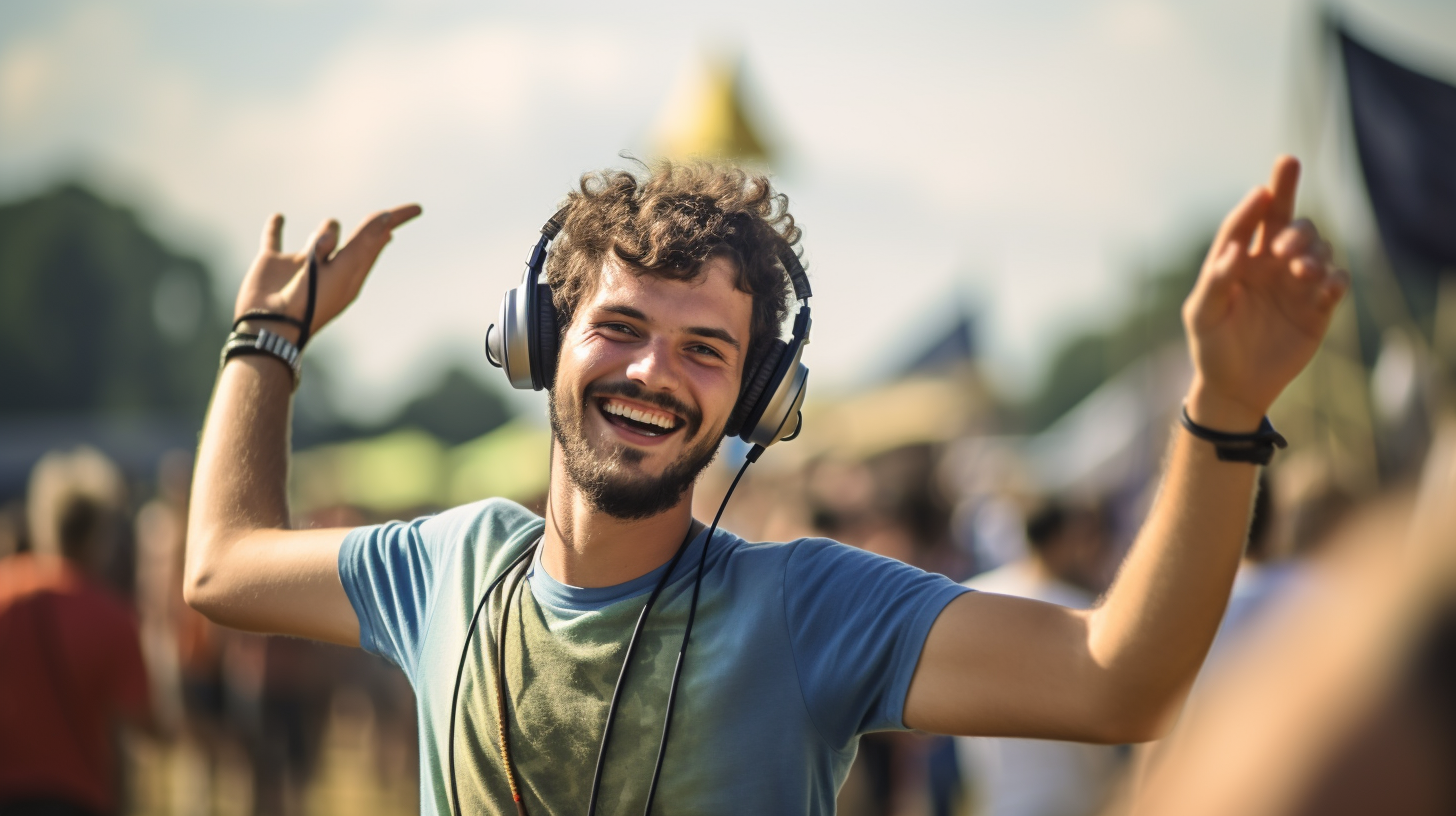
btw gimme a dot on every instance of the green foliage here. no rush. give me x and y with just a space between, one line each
1089 359
97 316
459 409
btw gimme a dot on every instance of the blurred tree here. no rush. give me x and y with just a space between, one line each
457 410
1087 360
97 315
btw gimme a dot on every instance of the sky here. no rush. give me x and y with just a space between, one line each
1024 160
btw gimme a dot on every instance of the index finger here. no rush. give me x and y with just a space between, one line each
1283 182
370 236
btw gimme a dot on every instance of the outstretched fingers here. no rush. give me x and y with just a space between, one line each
272 234
1242 222
1283 182
369 238
324 240
1230 247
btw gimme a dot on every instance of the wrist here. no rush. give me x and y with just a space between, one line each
1219 412
267 368
285 330
265 343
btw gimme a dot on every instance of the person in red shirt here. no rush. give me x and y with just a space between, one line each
70 658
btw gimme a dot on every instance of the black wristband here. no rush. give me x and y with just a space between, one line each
261 314
1255 448
304 326
267 344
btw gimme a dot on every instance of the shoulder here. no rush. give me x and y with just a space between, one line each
783 558
465 537
490 519
485 521
827 556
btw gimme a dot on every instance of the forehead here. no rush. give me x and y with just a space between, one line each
709 298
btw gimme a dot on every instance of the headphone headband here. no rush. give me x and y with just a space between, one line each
795 270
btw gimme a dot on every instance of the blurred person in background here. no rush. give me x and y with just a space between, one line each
1068 549
206 757
1341 701
1295 511
665 288
72 663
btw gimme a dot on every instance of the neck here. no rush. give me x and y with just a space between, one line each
585 547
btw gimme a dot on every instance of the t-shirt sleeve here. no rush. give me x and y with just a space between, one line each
389 572
857 623
386 570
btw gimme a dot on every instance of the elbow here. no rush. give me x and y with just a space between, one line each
1129 718
195 591
199 579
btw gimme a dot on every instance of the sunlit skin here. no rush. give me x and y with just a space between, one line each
682 339
992 665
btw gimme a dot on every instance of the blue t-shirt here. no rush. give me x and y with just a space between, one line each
797 650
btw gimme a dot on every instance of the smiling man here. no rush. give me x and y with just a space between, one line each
514 630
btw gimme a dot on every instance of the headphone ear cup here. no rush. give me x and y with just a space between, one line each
754 387
546 341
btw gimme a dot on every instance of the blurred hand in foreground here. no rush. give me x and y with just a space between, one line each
278 281
1260 307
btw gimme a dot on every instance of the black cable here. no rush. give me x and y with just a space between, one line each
307 329
305 325
502 696
591 806
465 653
752 457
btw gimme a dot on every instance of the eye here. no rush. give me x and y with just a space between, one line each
705 351
618 328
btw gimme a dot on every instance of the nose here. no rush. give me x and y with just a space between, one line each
655 367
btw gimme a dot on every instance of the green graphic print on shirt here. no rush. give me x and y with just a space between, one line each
797 650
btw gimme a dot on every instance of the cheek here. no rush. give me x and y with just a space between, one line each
716 392
588 358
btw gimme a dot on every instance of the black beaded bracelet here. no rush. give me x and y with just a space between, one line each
1255 448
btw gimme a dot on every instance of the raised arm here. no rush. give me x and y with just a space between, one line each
1000 666
245 567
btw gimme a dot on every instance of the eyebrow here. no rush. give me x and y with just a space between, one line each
699 331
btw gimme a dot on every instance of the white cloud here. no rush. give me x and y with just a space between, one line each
1016 152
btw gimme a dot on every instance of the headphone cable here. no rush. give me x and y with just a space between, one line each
752 457
501 693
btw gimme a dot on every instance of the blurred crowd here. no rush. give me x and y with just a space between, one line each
116 697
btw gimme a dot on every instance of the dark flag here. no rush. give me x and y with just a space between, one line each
957 345
1405 133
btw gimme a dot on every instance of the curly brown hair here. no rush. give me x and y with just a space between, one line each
668 223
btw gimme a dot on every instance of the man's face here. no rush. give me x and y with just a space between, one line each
648 374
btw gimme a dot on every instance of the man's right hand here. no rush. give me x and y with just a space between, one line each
278 281
246 567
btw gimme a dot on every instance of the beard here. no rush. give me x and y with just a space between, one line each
609 478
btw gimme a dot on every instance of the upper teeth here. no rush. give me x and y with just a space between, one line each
660 420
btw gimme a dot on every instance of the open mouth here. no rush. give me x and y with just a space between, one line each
650 422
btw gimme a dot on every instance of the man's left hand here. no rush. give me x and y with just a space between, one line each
1261 306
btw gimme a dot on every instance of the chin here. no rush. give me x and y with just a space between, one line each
624 480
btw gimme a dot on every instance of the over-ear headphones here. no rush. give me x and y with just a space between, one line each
522 342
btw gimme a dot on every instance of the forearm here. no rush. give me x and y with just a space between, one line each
1160 617
240 485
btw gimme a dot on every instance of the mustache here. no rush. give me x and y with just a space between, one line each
631 390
